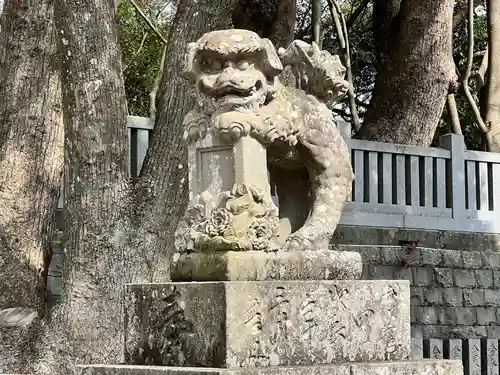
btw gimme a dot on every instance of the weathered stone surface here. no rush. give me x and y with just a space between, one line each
346 234
240 98
417 348
421 367
263 323
489 357
454 348
230 201
472 357
254 265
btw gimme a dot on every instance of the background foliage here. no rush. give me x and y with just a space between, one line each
142 49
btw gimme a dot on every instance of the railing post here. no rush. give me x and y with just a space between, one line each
455 175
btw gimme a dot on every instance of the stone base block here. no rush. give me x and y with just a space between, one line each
267 323
422 367
258 265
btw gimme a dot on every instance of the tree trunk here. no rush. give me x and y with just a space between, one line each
272 19
316 20
284 31
31 161
87 327
493 75
414 71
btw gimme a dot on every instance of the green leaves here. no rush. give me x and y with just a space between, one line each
141 53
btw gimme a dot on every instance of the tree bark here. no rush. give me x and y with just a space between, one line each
31 162
87 326
272 19
413 43
493 75
285 29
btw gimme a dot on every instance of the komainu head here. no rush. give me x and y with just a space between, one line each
232 69
317 71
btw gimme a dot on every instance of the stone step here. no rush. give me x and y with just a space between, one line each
260 323
450 240
422 367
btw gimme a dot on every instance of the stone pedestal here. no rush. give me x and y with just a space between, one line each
273 325
267 323
254 312
216 166
261 266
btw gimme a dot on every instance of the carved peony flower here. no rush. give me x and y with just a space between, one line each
194 214
259 234
218 222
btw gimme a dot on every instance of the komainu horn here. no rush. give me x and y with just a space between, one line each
236 82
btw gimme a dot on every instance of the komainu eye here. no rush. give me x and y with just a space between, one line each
210 65
216 65
242 64
203 64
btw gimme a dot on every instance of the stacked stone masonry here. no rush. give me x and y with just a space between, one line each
454 294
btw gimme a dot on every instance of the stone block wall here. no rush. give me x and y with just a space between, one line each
454 293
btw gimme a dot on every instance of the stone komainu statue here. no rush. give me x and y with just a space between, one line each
238 92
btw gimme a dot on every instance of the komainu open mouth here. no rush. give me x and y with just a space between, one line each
234 91
230 96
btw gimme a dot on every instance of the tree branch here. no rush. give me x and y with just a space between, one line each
334 11
156 87
461 15
479 53
316 20
148 21
455 119
136 53
475 55
355 15
481 73
466 75
346 116
165 5
338 17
